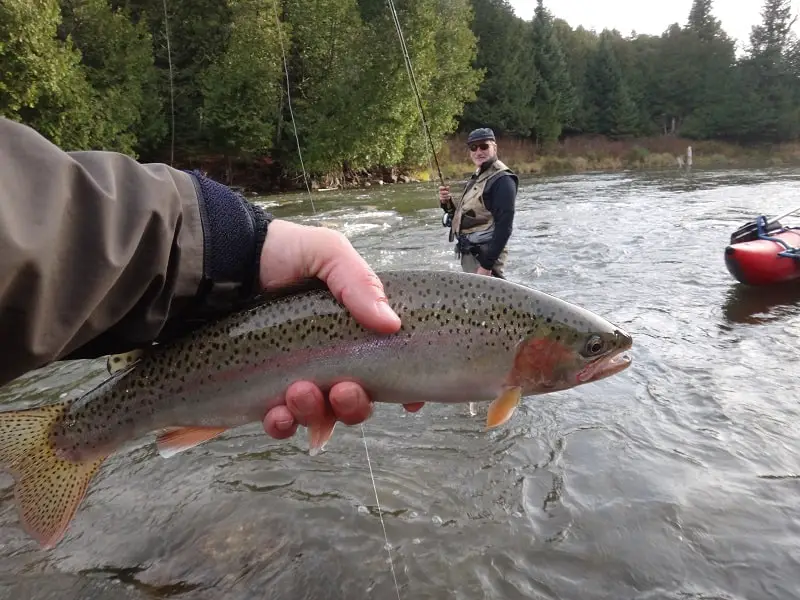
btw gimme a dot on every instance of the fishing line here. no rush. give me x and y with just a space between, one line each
388 546
414 87
289 100
380 513
409 69
410 72
171 87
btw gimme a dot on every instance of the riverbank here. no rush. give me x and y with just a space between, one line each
584 154
572 155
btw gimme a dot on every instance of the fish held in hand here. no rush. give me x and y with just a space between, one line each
464 338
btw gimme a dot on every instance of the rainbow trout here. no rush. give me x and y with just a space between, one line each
464 338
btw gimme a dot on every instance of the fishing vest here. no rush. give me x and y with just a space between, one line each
479 218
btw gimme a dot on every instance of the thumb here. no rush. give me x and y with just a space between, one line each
292 252
352 282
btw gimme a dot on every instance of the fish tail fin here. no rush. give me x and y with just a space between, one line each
48 488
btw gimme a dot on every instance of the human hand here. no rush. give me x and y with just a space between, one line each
482 271
294 252
444 194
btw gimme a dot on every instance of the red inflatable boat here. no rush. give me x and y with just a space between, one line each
764 253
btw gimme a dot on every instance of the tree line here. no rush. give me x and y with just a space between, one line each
233 78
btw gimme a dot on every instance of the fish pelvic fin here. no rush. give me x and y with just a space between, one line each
176 440
320 432
47 488
502 408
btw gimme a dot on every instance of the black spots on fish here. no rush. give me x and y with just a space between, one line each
401 307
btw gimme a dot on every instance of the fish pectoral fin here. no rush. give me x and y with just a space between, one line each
48 488
177 439
118 362
502 408
320 432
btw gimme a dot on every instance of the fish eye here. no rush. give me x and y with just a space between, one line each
594 345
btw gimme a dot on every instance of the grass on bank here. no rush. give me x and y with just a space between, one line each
582 154
572 155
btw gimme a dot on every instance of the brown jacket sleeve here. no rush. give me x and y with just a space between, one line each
101 254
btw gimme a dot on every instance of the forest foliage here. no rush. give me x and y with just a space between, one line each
233 78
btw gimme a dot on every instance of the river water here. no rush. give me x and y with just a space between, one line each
677 479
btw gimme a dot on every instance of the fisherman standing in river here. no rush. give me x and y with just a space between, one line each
482 219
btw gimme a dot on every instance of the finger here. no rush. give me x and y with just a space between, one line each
350 403
305 402
413 406
280 423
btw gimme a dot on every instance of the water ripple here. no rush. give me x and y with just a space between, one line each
677 479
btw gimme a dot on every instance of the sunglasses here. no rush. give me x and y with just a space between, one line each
474 147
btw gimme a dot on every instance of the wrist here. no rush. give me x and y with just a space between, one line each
282 245
261 222
234 231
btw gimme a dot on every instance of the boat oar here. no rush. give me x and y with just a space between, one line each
783 216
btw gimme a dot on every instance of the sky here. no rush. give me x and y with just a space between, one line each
737 16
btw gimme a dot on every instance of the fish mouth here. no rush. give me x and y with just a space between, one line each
624 339
605 366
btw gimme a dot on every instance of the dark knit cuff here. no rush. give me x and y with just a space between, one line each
234 231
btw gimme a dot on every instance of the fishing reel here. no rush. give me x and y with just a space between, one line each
447 219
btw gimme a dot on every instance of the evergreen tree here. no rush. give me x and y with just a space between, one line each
613 112
554 98
241 89
702 23
96 74
117 59
199 33
505 58
770 70
578 45
770 40
43 83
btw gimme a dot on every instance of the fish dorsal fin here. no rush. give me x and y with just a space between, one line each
300 286
118 362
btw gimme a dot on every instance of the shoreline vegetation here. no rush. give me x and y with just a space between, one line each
258 92
588 154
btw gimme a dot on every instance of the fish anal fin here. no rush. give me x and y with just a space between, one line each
177 439
118 362
48 489
502 408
